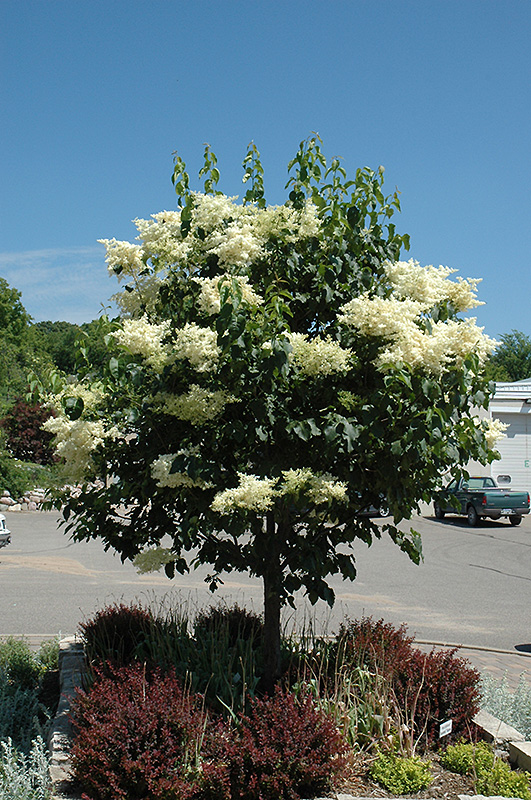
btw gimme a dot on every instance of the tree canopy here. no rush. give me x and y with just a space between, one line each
14 318
511 361
274 371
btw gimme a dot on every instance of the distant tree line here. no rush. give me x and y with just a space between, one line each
511 360
41 348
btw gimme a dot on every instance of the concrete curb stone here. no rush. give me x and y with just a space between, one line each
71 671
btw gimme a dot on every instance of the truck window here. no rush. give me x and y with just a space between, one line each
480 483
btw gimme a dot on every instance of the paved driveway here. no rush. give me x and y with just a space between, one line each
474 587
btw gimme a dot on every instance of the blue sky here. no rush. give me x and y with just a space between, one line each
96 95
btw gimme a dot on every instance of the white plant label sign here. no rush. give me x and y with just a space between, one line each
445 728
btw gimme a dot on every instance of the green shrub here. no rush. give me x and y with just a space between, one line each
401 775
22 715
502 781
24 777
18 663
492 776
468 759
48 655
13 474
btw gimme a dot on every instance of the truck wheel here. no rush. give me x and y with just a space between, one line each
439 513
515 519
472 515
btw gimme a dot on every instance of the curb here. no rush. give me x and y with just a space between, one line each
71 671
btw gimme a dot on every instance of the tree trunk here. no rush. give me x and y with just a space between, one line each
272 606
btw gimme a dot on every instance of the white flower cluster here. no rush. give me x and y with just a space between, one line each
90 395
493 429
75 440
160 472
162 239
319 488
236 234
209 297
142 299
433 350
123 256
236 245
251 494
197 406
162 245
289 223
430 285
401 319
378 316
258 494
212 211
318 356
144 338
198 345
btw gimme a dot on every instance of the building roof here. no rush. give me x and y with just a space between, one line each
518 389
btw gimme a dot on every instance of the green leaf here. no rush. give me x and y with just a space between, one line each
114 367
73 407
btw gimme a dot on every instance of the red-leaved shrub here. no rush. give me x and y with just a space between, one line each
283 749
25 437
136 736
115 633
376 645
429 688
233 622
435 687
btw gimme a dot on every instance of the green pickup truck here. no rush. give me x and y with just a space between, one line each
477 497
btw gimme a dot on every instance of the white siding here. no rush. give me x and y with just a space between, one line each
515 451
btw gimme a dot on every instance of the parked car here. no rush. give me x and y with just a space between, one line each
5 535
476 497
379 510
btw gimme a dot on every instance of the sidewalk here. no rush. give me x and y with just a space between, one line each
495 663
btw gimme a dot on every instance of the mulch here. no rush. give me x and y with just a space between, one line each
446 784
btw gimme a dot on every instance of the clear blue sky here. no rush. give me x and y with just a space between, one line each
96 95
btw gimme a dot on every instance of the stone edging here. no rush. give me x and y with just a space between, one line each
71 671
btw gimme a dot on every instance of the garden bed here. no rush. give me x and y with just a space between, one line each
352 714
120 637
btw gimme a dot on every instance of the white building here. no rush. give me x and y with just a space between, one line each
511 404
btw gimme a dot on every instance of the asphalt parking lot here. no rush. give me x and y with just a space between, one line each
473 588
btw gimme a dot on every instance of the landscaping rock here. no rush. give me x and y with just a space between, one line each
496 731
520 754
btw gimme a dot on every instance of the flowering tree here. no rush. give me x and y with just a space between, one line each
274 371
